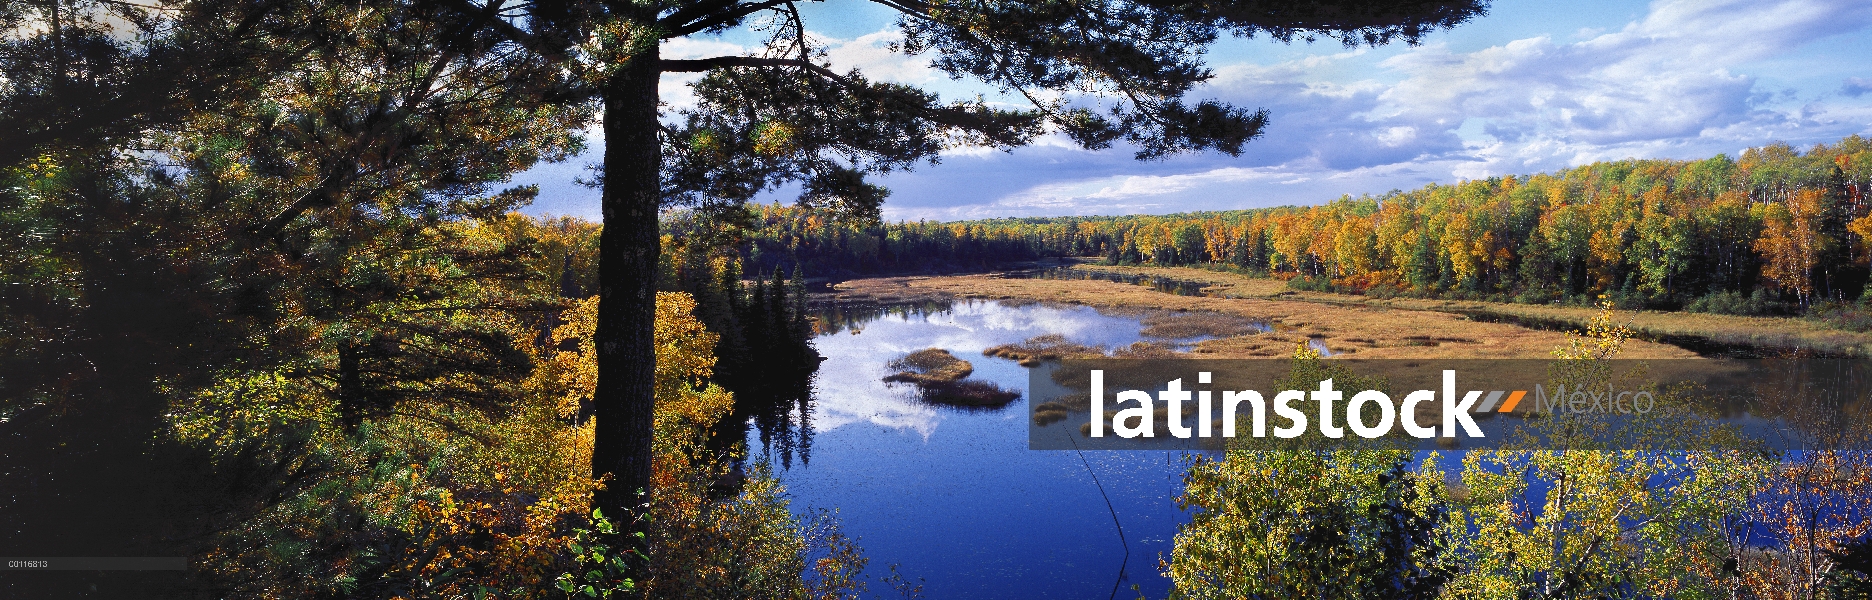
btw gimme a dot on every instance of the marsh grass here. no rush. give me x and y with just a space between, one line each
978 394
1051 346
1048 413
1185 325
1289 320
929 365
1147 350
1843 333
940 378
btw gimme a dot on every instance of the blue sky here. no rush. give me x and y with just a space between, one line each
1533 86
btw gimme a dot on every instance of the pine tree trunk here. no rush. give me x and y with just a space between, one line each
627 271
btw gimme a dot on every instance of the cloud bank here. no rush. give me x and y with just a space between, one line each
1677 83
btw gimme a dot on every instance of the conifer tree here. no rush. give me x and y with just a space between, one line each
272 189
782 330
802 325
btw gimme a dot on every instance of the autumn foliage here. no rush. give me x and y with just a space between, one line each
1782 227
443 503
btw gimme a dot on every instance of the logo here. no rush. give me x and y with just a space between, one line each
1367 414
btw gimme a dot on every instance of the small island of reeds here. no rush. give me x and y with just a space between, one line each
940 376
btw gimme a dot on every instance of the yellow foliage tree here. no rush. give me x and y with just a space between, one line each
1791 242
707 539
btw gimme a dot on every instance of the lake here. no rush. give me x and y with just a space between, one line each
952 496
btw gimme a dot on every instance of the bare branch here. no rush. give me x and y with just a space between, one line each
490 16
723 62
722 18
799 31
909 8
941 115
692 12
142 6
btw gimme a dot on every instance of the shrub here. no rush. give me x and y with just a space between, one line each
1850 317
1734 303
1320 283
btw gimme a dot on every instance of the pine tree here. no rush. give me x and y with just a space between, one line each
781 115
802 320
757 324
781 331
280 191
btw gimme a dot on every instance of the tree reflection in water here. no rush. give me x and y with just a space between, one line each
778 404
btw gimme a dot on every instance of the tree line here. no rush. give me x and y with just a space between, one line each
1774 229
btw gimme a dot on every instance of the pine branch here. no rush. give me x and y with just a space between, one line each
724 62
707 21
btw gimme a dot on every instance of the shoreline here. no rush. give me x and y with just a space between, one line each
1700 334
1349 330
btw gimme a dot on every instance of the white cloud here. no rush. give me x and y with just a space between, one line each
1665 85
692 48
1676 82
871 55
1662 86
673 88
1117 194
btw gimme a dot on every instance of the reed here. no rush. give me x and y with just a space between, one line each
1051 346
1185 325
940 378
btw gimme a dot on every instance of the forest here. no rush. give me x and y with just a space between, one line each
269 301
1776 230
408 416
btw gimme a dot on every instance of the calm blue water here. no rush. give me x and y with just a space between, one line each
953 496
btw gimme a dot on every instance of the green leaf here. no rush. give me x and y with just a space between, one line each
589 591
565 583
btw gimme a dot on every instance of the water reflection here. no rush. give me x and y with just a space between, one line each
858 341
778 418
954 496
1168 285
841 318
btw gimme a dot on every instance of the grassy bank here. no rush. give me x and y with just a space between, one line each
1698 331
1345 328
